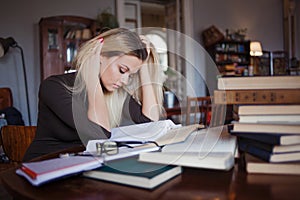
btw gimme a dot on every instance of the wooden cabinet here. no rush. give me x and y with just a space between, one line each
231 57
60 37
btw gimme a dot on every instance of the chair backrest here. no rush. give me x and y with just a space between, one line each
15 140
5 98
198 110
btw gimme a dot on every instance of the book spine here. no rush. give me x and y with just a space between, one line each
272 139
291 96
260 153
29 172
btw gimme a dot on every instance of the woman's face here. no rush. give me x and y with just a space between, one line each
116 71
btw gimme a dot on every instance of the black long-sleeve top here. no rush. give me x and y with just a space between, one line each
60 127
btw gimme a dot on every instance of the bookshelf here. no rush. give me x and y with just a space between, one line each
231 57
60 37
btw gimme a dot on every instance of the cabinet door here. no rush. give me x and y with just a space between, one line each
51 50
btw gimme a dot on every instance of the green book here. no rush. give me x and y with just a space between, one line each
130 171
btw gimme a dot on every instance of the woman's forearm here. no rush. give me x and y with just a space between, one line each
150 106
97 109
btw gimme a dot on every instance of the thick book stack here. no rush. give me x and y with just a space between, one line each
267 120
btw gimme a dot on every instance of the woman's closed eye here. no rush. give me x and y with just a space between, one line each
123 70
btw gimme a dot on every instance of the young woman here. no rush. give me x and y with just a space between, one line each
118 81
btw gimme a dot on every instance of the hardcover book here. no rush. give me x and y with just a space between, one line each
266 128
261 96
265 155
270 119
259 82
38 173
270 138
129 171
269 147
255 165
268 110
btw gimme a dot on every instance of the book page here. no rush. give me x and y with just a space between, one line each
179 134
142 132
214 139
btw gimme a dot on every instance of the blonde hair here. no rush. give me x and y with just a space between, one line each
117 42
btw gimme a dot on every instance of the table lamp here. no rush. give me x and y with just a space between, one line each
255 50
4 46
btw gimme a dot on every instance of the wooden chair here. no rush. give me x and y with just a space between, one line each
202 110
6 99
15 140
198 110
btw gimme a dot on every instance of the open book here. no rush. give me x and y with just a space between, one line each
162 132
212 148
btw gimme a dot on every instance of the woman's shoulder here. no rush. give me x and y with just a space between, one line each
67 79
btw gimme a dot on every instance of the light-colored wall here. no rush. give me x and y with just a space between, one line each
19 19
297 10
263 19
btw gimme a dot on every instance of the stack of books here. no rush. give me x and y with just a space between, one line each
267 114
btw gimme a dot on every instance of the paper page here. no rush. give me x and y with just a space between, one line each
214 139
178 134
142 132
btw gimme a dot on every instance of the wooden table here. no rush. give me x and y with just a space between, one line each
191 184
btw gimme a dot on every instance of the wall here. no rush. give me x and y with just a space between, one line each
19 19
297 29
263 19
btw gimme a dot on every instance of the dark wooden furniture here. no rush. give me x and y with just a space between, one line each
6 99
15 140
191 184
60 37
232 57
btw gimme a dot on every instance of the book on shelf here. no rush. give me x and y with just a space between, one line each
270 138
129 171
212 148
255 165
259 82
261 96
279 109
256 150
38 173
266 128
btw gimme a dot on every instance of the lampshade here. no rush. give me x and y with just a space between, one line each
5 44
255 49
